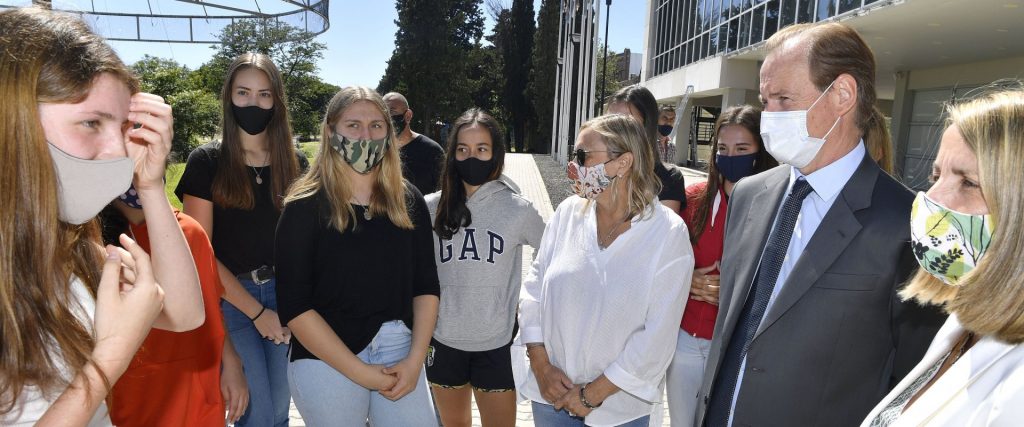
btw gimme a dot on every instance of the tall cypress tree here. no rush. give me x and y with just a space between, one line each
429 64
521 28
541 90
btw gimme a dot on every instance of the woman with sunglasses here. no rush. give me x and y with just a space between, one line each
599 310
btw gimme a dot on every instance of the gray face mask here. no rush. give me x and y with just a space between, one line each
84 187
362 154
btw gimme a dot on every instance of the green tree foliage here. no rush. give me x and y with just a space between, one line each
196 111
608 66
196 115
541 89
517 49
431 61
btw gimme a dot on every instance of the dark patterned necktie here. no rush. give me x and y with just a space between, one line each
753 309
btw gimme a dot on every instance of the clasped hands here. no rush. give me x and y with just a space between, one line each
559 390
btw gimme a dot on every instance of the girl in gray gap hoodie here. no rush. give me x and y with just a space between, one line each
481 223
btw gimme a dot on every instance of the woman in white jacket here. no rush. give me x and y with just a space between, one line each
599 310
965 235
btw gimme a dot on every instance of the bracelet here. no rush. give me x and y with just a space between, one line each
530 345
583 398
258 314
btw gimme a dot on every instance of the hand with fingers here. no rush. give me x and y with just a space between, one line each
148 142
373 377
407 373
126 306
572 404
233 388
269 326
554 384
704 287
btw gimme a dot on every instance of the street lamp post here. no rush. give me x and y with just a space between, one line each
604 64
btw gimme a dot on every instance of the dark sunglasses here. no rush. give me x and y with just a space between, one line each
580 155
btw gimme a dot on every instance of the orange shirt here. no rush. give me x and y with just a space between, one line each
174 379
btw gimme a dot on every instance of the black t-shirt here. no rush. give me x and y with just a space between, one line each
243 240
355 280
672 185
422 160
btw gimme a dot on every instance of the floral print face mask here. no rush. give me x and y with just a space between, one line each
588 182
947 243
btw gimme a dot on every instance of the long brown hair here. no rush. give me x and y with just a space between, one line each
327 173
836 49
644 102
740 115
45 57
232 186
989 300
452 212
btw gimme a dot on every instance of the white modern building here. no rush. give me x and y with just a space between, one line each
928 52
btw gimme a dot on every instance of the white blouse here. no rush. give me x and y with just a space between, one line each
614 311
33 403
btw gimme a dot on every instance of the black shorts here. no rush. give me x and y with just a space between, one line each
488 371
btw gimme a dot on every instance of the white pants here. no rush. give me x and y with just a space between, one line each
685 375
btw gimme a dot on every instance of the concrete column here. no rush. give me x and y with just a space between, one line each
902 109
731 97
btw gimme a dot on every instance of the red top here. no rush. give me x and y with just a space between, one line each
699 317
174 379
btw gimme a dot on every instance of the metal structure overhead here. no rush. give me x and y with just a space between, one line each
193 21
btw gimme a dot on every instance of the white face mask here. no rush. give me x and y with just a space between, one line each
786 138
84 187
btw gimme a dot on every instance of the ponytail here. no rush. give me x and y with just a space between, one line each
878 142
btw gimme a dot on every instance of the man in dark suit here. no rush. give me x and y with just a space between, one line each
811 330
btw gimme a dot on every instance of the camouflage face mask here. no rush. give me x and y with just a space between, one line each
362 154
947 244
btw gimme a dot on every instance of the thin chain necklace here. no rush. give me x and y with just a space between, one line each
606 243
259 173
366 210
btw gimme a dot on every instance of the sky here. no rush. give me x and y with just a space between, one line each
360 39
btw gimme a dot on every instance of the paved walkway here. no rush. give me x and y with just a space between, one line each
522 169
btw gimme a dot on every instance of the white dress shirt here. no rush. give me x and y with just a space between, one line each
826 184
614 311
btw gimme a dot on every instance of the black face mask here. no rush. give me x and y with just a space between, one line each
474 171
252 119
399 121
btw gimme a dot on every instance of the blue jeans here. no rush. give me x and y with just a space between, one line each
265 363
544 415
685 375
325 397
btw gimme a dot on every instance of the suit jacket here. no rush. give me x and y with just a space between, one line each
984 388
837 336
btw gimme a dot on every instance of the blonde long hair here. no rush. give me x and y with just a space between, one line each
45 57
328 170
626 135
990 299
